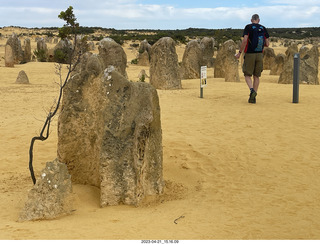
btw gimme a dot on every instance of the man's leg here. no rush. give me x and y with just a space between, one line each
256 82
248 68
252 87
249 81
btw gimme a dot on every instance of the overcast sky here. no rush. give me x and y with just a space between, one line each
162 14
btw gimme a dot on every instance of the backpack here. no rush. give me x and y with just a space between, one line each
258 38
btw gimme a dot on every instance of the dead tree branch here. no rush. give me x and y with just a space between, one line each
74 60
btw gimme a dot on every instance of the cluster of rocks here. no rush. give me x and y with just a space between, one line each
109 129
309 60
197 54
273 62
165 71
15 53
109 136
309 66
48 39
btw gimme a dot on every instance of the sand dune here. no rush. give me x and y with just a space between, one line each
233 170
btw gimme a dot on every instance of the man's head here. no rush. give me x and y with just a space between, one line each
255 19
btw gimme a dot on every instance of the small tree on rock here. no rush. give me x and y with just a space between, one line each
69 30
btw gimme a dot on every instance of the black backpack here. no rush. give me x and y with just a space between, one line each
258 38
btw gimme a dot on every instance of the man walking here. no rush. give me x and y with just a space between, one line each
255 38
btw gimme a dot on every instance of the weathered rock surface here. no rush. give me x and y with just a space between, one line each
309 66
286 76
207 47
9 57
22 78
109 133
277 66
164 66
268 58
42 50
144 59
192 61
27 51
131 164
144 53
113 54
15 44
303 51
226 64
144 46
51 196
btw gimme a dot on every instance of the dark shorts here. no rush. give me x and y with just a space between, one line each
253 64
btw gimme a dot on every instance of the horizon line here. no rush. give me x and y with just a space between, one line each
148 29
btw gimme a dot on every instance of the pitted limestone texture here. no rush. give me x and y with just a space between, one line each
51 196
109 135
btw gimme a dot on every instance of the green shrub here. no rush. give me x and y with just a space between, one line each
142 78
41 55
61 56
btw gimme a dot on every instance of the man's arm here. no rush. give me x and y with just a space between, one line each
267 43
243 46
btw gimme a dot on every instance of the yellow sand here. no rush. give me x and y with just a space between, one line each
233 170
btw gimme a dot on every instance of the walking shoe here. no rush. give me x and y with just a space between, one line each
252 98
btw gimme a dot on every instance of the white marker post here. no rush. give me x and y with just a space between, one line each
203 79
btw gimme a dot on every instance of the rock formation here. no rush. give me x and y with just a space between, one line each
303 51
144 46
286 76
9 57
309 66
207 47
42 50
226 64
22 78
277 66
268 58
16 51
27 51
192 61
109 133
144 59
164 67
51 196
144 53
113 54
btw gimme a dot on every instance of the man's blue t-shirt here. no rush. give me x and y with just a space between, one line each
256 38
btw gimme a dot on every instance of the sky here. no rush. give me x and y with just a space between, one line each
162 14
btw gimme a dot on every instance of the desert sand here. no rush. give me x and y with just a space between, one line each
233 170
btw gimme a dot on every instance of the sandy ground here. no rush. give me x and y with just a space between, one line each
233 170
